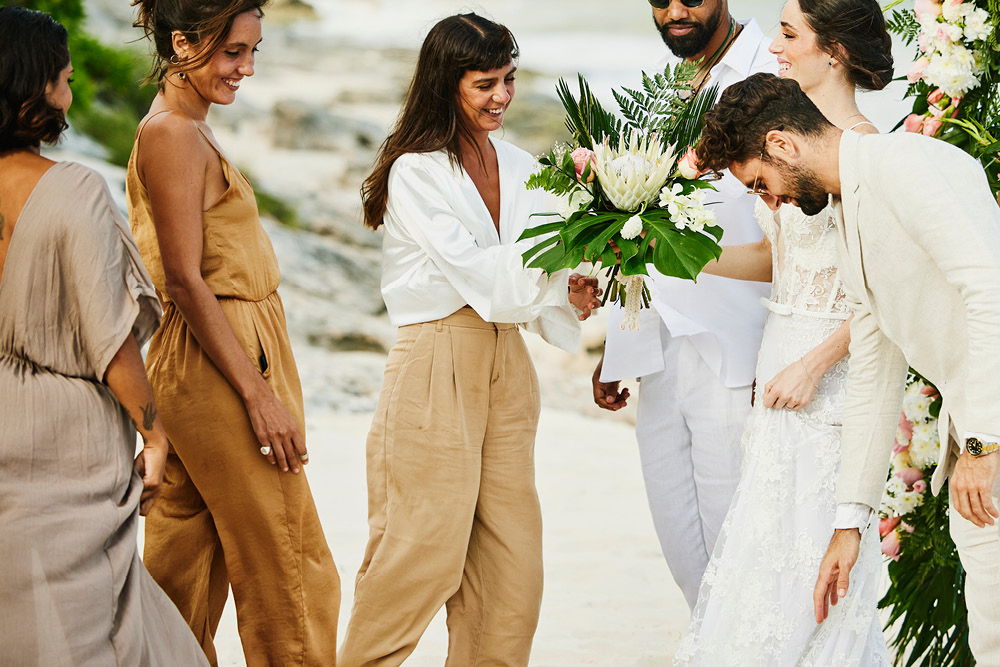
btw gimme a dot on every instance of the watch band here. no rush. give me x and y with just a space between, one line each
977 447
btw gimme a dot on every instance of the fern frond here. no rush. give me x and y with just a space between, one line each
904 23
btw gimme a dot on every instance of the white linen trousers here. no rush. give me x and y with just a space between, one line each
688 427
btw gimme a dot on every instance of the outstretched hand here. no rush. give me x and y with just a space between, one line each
584 294
606 394
834 578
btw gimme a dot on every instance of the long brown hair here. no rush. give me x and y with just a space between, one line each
430 120
207 21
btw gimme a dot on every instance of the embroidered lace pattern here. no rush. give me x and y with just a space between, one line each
755 603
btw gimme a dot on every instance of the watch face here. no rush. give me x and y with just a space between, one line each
974 446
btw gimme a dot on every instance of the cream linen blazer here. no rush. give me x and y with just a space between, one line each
920 263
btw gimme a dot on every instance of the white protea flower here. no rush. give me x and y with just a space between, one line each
632 228
632 174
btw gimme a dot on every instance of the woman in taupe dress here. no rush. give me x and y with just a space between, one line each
236 509
75 304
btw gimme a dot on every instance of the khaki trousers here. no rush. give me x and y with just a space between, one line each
228 517
453 513
979 549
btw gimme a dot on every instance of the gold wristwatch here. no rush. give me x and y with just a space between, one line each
977 447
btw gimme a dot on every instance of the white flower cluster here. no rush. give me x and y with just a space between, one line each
686 210
915 453
950 41
578 199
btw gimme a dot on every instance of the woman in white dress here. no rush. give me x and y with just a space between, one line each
452 509
755 605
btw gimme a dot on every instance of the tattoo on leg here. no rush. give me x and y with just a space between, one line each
148 415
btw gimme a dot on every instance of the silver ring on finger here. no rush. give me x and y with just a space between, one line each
303 457
790 408
265 450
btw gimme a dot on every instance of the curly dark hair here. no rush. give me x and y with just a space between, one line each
736 129
201 21
853 32
33 51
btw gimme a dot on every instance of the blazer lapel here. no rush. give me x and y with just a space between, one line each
850 186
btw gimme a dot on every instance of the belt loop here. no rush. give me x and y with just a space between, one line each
439 326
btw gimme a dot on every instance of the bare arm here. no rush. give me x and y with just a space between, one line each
795 386
750 261
126 377
175 162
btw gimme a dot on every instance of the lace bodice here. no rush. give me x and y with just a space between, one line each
804 256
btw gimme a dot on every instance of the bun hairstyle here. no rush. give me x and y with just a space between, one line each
853 32
203 22
33 52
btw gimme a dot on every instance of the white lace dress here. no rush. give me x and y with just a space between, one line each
755 605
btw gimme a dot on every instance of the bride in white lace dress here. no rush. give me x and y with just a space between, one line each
755 606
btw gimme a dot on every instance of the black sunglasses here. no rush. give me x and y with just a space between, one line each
663 4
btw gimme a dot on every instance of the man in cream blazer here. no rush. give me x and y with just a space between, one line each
920 262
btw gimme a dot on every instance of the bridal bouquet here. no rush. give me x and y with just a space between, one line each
630 189
926 594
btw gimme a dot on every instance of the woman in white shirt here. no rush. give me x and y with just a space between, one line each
453 513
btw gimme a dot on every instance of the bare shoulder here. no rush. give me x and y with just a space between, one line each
172 135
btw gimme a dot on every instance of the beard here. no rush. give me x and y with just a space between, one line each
807 193
693 43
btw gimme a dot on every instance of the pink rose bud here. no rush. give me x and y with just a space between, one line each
919 486
928 7
907 527
890 545
914 123
929 391
923 42
581 156
688 165
887 525
936 96
898 447
910 475
906 426
917 70
931 127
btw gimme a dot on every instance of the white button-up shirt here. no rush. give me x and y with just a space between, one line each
723 317
441 250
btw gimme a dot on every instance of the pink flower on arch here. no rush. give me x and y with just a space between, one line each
887 525
911 476
927 7
906 426
917 70
890 545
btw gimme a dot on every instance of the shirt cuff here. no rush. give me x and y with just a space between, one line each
852 515
972 434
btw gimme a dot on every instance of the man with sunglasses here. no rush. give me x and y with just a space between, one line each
696 349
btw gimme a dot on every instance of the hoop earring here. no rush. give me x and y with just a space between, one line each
174 60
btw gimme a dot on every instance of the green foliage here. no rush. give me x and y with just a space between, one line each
277 208
927 593
655 108
587 121
904 24
588 236
558 174
108 100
